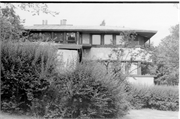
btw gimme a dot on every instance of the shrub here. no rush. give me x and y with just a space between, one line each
164 98
155 97
139 96
87 92
26 70
30 84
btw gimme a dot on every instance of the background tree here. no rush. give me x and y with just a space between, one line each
166 59
11 27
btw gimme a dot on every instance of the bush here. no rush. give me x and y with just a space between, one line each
87 92
165 98
155 97
29 70
139 96
26 70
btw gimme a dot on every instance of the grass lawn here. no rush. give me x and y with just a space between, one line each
151 114
133 114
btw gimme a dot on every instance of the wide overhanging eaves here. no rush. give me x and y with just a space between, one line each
91 29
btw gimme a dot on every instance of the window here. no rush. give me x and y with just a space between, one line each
58 37
86 39
108 39
145 68
96 39
47 36
119 39
127 67
70 37
133 68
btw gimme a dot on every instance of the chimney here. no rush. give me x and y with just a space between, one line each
63 22
43 22
46 22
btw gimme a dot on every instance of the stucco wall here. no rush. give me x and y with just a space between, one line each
145 80
68 59
104 52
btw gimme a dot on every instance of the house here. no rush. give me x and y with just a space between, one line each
96 43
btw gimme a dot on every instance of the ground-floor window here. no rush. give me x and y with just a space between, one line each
146 68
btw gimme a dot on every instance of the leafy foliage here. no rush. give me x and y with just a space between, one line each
155 97
11 29
10 22
87 92
34 8
166 59
26 71
29 70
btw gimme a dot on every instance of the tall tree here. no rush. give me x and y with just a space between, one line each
10 22
166 58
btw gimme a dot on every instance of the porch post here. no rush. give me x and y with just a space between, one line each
90 35
139 68
52 36
77 38
64 36
102 39
114 39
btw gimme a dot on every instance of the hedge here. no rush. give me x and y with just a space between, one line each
155 97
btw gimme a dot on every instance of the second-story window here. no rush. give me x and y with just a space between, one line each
85 38
70 37
96 39
46 36
59 37
108 39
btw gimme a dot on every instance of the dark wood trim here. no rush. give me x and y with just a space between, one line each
52 35
108 46
80 38
90 35
64 37
133 75
139 68
114 39
102 39
77 38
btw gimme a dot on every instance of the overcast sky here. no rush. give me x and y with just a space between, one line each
158 17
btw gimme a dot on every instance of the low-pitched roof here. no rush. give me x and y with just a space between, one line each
105 29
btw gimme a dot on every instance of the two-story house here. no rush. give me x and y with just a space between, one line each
96 43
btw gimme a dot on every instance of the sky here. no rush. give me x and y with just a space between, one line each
160 17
